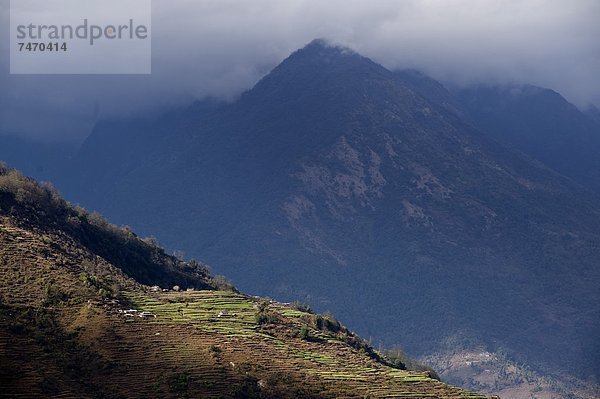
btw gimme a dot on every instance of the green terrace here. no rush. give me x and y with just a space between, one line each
234 316
212 311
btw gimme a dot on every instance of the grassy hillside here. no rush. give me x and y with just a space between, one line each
79 318
40 207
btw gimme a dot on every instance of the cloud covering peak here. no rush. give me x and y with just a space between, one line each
220 48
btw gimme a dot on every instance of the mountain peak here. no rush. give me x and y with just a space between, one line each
324 46
318 64
323 51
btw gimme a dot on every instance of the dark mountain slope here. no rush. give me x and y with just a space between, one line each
43 160
542 124
430 89
73 325
593 113
335 180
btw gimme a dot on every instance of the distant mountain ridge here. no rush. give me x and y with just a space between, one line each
542 124
366 191
535 121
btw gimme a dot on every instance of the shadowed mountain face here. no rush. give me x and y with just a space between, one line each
542 124
41 160
593 113
355 189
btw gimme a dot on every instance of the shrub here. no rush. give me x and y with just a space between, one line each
301 307
319 322
151 241
327 323
263 306
179 383
266 318
248 389
398 358
221 283
52 295
304 333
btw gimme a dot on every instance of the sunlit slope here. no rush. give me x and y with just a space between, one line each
73 325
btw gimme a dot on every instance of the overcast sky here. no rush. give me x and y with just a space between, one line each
222 47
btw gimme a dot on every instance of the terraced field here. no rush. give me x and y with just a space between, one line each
74 325
223 325
208 344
